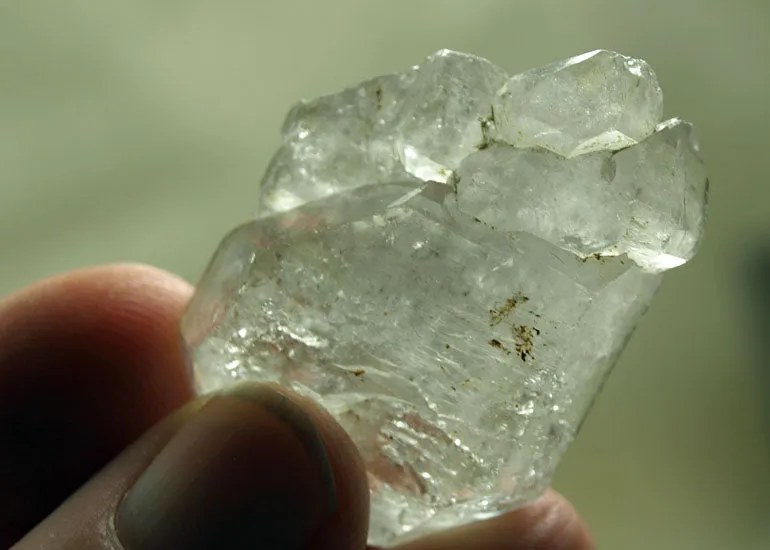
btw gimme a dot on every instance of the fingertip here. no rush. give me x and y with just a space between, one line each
549 523
254 467
117 280
110 331
243 472
88 361
348 526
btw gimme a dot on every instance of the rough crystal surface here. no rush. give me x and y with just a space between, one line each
336 142
440 119
454 298
418 124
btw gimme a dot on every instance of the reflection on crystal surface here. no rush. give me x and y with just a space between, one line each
455 297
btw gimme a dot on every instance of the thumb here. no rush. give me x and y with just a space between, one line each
255 467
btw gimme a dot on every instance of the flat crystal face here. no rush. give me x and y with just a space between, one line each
450 261
593 102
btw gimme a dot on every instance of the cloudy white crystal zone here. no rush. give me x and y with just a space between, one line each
450 260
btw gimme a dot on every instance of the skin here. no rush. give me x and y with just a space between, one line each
103 446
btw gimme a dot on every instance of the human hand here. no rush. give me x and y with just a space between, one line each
98 418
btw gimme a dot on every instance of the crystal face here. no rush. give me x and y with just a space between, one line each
594 102
450 261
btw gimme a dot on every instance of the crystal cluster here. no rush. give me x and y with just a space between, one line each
450 260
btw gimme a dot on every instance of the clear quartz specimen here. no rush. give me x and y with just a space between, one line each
573 203
417 124
439 123
457 309
645 201
670 189
336 142
593 102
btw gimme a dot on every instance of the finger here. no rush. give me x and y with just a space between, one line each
551 523
88 362
253 468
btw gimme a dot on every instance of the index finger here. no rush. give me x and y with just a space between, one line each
89 360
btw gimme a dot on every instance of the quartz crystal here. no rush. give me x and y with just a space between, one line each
594 102
450 261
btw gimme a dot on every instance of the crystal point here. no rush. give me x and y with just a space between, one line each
593 102
440 121
450 261
670 192
572 203
417 124
337 142
645 201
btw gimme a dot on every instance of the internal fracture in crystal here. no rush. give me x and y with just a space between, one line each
450 260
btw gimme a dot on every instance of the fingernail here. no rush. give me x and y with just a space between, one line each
249 470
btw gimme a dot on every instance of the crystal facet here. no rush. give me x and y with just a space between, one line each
645 201
450 261
440 119
593 102
418 124
337 142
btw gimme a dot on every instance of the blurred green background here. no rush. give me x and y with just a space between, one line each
139 131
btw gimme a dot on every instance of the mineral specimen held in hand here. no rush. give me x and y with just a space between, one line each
450 260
